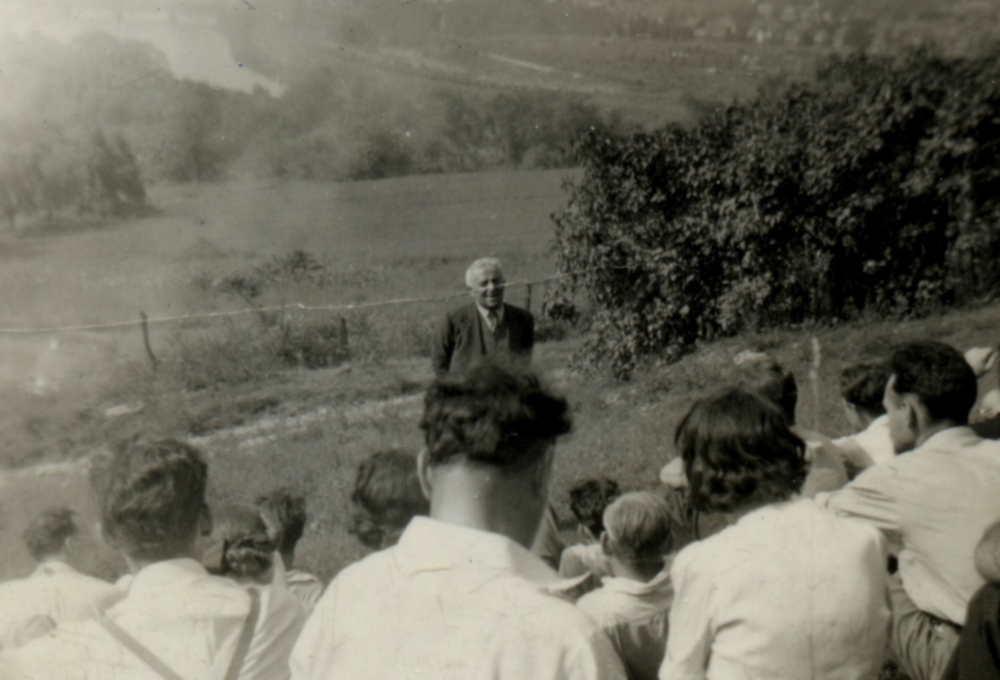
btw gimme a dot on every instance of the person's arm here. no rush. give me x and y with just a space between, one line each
312 655
689 644
987 555
981 359
871 497
443 346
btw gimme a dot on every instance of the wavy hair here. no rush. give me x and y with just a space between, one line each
492 416
738 451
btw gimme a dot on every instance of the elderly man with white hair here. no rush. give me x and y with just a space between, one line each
488 330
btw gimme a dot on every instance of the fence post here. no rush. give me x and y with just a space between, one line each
343 334
145 340
527 299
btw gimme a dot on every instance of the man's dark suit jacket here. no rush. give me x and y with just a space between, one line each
459 342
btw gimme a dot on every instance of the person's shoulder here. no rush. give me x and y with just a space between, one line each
74 651
374 574
462 312
518 312
600 605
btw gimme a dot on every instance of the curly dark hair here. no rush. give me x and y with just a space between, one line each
239 543
492 416
588 498
154 497
863 385
738 451
386 496
288 508
47 533
939 376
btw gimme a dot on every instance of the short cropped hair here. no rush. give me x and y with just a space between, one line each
638 524
155 497
288 509
770 380
386 496
478 266
939 376
588 498
47 533
491 416
737 450
863 385
239 543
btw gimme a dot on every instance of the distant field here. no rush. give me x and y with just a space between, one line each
418 233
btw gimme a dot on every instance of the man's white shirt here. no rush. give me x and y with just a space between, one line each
187 618
448 602
55 594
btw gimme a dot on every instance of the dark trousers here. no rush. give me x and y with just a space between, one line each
977 656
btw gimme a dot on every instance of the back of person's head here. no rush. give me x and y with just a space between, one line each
239 544
287 509
637 526
48 531
738 450
938 375
386 496
491 416
153 506
862 385
766 377
588 498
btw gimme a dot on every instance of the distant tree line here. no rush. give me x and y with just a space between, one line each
55 176
874 190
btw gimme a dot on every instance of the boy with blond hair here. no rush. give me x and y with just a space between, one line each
633 604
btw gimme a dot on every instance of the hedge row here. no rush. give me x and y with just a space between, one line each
874 188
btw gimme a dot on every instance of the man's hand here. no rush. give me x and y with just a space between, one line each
981 359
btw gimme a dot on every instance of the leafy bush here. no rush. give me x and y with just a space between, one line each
873 189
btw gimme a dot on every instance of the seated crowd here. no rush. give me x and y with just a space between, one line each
768 551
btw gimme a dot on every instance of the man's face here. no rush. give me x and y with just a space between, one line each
901 428
487 287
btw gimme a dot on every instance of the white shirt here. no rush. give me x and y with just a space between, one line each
635 616
491 317
585 558
933 503
873 444
450 603
306 587
190 620
55 594
790 591
281 619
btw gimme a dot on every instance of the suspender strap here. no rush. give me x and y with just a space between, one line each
134 646
246 635
167 673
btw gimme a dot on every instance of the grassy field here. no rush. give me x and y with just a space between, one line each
309 429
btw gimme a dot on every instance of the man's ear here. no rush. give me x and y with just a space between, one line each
607 546
916 415
425 473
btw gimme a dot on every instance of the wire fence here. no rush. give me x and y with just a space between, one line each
343 307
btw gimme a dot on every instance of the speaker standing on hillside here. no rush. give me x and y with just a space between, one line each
486 330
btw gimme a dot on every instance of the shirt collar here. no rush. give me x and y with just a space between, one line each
430 545
168 572
629 586
52 568
952 439
485 313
